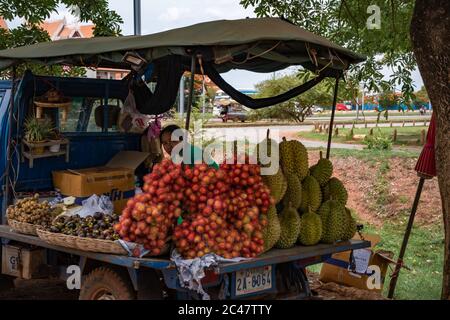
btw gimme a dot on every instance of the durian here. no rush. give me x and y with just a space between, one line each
294 192
293 158
322 171
290 227
333 216
271 233
311 194
335 189
310 229
277 184
350 226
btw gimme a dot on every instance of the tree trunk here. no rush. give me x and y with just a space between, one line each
430 35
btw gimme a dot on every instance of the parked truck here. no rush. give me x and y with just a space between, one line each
278 273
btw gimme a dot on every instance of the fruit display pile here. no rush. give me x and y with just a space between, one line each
311 204
148 218
223 211
228 211
30 210
234 211
97 226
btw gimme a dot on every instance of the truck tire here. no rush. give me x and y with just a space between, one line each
106 284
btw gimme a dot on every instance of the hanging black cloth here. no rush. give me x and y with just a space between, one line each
168 72
247 101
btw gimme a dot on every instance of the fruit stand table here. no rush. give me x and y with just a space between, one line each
303 256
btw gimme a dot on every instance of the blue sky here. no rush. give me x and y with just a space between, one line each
160 15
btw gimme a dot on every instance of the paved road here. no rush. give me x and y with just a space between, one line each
257 133
369 117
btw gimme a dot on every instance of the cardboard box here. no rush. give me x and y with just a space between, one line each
363 258
115 179
23 262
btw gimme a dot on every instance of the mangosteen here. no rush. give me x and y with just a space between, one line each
98 215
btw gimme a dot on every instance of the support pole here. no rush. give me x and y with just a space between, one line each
137 17
191 92
399 263
181 108
333 109
9 149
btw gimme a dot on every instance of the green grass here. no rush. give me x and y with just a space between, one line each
425 251
405 135
327 113
371 156
424 255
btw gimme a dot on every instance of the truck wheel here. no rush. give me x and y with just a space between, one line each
106 284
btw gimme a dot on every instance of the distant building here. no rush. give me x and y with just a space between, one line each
3 24
60 29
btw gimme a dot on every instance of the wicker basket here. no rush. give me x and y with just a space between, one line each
23 227
80 243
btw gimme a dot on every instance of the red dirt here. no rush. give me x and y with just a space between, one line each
403 185
358 183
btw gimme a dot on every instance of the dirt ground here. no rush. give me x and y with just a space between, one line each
360 179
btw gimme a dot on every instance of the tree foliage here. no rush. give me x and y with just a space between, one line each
345 23
296 108
33 12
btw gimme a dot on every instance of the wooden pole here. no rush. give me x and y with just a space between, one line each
336 132
422 136
399 264
191 93
333 111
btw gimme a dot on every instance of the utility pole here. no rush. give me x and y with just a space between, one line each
181 97
137 17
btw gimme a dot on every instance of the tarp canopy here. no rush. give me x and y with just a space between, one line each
254 44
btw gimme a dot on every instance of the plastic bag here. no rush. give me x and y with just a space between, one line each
95 204
130 119
192 271
134 249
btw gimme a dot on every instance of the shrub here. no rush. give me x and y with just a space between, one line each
378 141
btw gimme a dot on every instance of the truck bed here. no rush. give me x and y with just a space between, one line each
310 254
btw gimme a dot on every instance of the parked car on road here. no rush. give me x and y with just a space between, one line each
342 107
235 116
316 109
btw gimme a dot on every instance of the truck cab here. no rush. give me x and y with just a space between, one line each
90 144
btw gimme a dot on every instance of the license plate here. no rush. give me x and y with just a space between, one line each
253 280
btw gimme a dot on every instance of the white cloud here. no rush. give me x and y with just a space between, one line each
214 12
174 14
